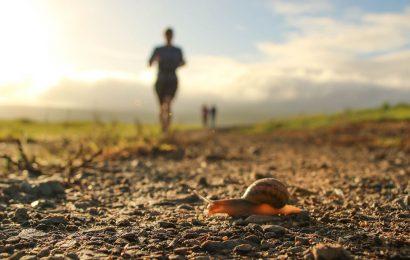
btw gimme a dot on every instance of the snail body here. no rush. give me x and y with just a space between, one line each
263 197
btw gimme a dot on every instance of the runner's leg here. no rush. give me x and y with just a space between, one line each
167 112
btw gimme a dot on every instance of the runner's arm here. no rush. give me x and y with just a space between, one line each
154 57
182 60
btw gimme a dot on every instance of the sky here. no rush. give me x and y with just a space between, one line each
255 59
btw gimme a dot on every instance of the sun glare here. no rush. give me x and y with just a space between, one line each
26 49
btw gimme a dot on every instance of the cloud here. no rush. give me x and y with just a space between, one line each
295 7
104 94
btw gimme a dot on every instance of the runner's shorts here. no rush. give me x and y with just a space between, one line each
166 86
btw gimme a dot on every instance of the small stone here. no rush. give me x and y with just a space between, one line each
243 249
212 246
13 240
72 255
21 215
274 229
17 255
29 257
176 257
31 233
203 182
330 252
54 220
253 239
301 241
44 252
42 204
166 224
182 250
262 219
51 188
123 222
185 207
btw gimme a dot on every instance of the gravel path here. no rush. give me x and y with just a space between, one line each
353 188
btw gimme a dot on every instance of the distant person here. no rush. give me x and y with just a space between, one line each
205 111
212 113
169 58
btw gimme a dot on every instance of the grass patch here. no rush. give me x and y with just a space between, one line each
400 112
28 129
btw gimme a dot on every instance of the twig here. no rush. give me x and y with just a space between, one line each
23 163
71 169
27 164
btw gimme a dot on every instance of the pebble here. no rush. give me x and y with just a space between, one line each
330 252
278 230
212 246
185 207
262 219
44 252
243 249
21 215
182 250
17 255
72 255
301 241
54 220
166 224
42 204
51 188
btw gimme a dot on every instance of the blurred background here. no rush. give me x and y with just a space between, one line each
71 60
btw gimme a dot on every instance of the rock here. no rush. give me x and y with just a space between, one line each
21 215
182 250
214 157
166 224
29 257
330 252
243 249
50 188
31 233
303 216
212 246
44 252
185 207
301 241
123 222
261 219
232 243
176 257
13 240
253 239
403 202
54 220
278 230
17 255
203 182
130 236
72 255
42 204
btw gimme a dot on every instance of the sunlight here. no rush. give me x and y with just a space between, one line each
146 76
26 49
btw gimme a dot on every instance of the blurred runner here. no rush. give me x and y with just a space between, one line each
212 113
204 111
169 58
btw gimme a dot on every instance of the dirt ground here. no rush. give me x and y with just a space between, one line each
352 184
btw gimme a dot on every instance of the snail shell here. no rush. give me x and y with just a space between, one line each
268 190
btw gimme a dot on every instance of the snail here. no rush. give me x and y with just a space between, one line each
266 196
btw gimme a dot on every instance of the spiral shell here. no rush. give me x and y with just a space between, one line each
268 190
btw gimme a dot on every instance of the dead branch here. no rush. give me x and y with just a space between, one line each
23 163
71 169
